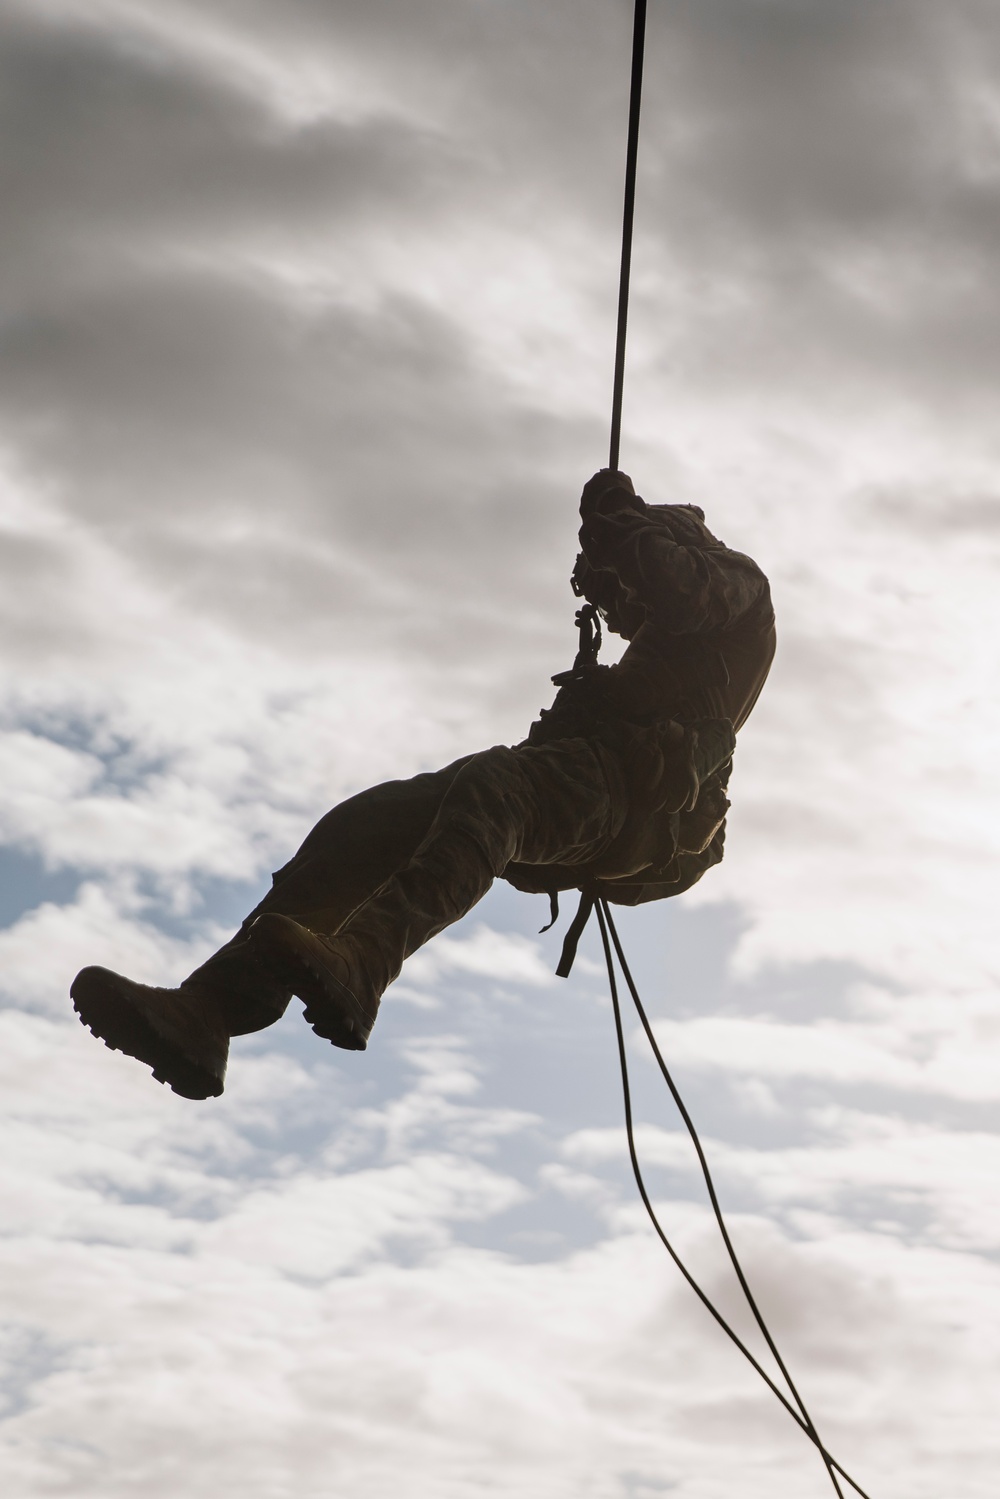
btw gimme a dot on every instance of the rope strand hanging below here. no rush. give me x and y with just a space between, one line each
607 925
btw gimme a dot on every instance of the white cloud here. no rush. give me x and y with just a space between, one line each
943 1059
467 1370
41 953
504 957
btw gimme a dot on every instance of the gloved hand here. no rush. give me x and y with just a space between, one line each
698 828
607 491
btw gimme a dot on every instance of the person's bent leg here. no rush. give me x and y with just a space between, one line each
546 804
183 1033
347 856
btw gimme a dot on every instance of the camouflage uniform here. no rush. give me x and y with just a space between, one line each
619 790
620 785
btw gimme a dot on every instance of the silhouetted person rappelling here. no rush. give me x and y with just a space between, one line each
619 791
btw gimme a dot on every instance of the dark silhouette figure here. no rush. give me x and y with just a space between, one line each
619 790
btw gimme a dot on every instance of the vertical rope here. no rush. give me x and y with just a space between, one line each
632 153
604 918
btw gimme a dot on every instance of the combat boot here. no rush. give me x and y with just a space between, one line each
177 1032
339 1004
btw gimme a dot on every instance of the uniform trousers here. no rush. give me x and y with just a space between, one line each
391 867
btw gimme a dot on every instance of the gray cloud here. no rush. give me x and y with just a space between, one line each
935 516
169 390
110 150
821 185
169 383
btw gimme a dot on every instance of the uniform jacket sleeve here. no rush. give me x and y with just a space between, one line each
683 871
684 589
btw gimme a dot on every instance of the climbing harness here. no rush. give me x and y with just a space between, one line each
591 899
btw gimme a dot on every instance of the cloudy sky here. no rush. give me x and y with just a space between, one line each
307 331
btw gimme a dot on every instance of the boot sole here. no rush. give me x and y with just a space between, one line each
111 1016
330 1008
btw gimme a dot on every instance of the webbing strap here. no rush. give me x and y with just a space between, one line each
574 932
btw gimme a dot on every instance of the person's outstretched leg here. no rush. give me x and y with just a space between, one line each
346 858
183 1033
550 804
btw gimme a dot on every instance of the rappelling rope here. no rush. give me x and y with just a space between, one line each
606 923
590 900
628 214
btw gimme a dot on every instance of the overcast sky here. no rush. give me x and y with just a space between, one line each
307 333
